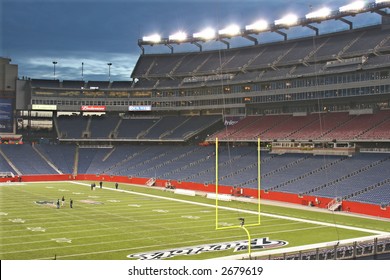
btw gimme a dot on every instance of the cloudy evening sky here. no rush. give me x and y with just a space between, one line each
34 33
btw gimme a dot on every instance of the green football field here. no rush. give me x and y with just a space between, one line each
138 222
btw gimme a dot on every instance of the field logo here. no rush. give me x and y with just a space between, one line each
237 246
45 203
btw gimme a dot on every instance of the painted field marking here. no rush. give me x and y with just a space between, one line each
376 232
191 217
17 220
233 209
160 211
40 229
62 240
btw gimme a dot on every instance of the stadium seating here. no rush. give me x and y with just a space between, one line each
163 126
378 130
191 126
355 127
357 178
72 127
103 126
121 85
73 84
150 127
314 52
61 156
98 84
379 196
131 128
325 126
4 165
42 83
18 155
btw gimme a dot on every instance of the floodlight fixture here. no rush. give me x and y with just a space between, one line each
54 69
178 36
155 38
205 34
109 71
353 7
288 20
319 14
231 30
259 25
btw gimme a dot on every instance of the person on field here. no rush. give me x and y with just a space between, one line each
58 203
71 203
101 184
62 201
116 185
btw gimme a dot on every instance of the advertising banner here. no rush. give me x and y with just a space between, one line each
6 115
93 108
44 107
140 108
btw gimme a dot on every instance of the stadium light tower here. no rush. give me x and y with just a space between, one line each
109 71
54 69
82 71
380 7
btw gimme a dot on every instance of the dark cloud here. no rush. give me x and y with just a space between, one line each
36 32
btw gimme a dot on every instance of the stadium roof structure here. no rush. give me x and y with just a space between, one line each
359 7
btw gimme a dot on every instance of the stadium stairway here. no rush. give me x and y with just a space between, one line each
115 131
15 169
46 159
57 128
76 161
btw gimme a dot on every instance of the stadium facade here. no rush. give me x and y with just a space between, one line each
321 95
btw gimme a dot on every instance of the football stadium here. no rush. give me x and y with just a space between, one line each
269 151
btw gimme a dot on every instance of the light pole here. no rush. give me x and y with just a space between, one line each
109 71
54 70
82 71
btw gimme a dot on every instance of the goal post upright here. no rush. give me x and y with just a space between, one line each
258 178
216 183
217 227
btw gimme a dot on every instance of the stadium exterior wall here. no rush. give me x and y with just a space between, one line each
347 206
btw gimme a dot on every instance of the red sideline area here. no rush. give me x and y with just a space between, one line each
321 202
